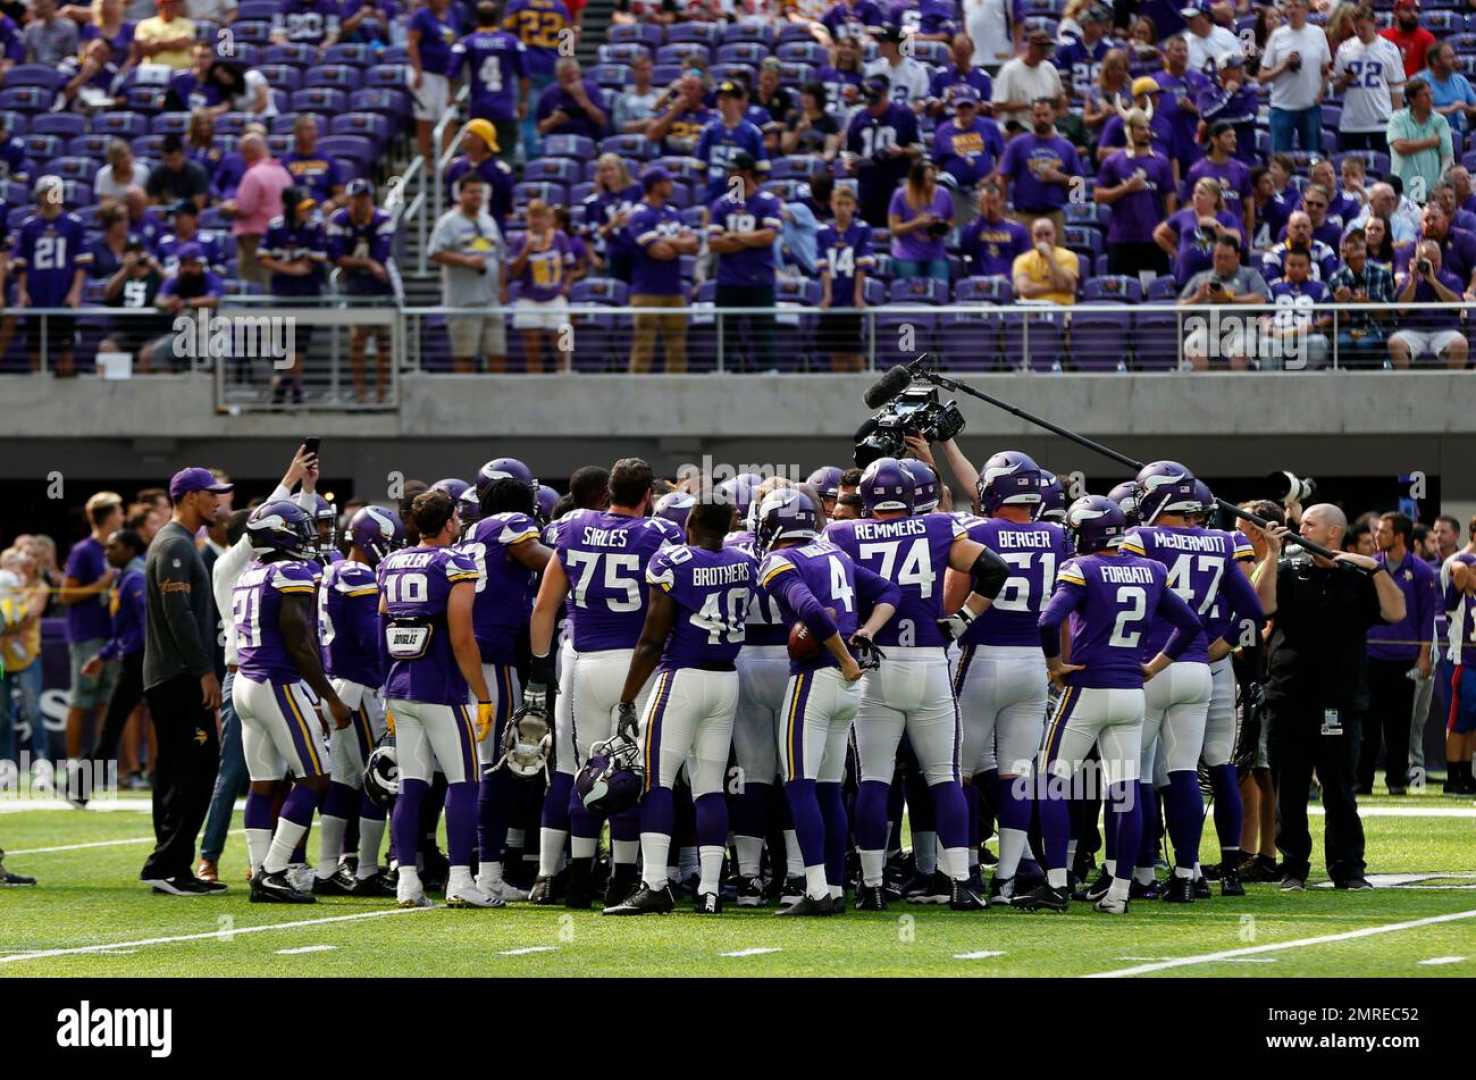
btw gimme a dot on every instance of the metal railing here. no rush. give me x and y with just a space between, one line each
437 176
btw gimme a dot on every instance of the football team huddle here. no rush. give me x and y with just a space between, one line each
751 683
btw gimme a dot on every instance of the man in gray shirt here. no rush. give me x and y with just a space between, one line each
468 248
49 38
180 684
1225 337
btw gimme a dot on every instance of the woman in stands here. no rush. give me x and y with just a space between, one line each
1113 85
120 173
295 253
200 142
103 19
1191 233
607 211
810 129
919 217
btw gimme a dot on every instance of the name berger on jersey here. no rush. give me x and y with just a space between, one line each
203 336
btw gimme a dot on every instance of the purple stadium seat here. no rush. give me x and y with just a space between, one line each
1084 241
579 192
282 76
689 169
259 10
150 147
600 341
1377 163
93 146
741 72
251 32
321 99
552 169
147 99
611 76
1037 336
14 122
796 167
395 54
701 33
16 193
75 194
365 125
918 290
282 123
83 169
123 125
1162 290
798 75
739 33
27 99
339 76
392 76
528 190
350 53
640 33
785 189
47 78
247 55
994 289
576 147
803 52
1088 213
206 32
629 146
378 99
666 74
1155 340
67 125
356 148
621 52
279 144
170 123
1099 338
1443 22
683 53
16 215
682 196
295 55
743 52
895 328
971 341
42 147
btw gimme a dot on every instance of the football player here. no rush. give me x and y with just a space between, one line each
426 595
1201 569
1111 596
1001 678
817 584
505 548
348 631
694 626
601 563
826 482
910 692
272 609
1052 498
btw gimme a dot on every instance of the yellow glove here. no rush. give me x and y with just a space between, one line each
389 721
484 720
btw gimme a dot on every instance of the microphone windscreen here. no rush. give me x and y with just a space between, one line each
888 386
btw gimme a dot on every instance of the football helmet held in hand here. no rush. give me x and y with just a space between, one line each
613 778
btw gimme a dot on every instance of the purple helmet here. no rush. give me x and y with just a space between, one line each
785 514
376 531
887 484
676 506
469 507
1206 497
283 527
547 499
1097 522
738 493
451 486
1125 495
826 480
503 468
612 779
1165 487
924 485
1009 478
1052 499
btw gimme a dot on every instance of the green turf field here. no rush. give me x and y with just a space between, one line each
90 917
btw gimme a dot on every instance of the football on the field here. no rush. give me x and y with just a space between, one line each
802 643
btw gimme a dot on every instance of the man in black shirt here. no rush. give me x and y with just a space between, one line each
1316 690
177 177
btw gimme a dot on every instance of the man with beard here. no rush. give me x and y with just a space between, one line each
1139 185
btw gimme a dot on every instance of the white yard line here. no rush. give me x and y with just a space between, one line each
302 950
1254 950
219 935
749 952
982 955
528 950
94 844
1438 961
97 806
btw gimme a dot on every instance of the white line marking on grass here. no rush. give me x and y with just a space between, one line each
219 935
982 955
1145 957
1405 811
1436 961
528 949
1249 960
750 952
95 844
1253 950
96 806
303 949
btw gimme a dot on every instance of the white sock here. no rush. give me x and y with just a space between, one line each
1198 871
750 855
654 848
330 844
710 857
284 840
1110 865
956 863
1184 872
1118 890
925 852
873 866
258 843
623 852
816 887
793 856
459 878
489 874
582 847
371 836
550 850
409 881
836 892
1011 848
1143 875
1070 852
1056 878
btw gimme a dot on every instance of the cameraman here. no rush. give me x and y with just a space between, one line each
1316 688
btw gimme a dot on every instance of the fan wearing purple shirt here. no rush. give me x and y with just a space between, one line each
497 67
573 106
1293 336
844 257
924 20
191 288
919 217
1233 175
1180 90
1430 331
479 148
853 19
50 258
881 142
1147 97
295 253
1080 60
431 33
723 140
542 268
1138 184
742 231
842 78
660 238
1037 168
993 241
1190 234
961 72
969 146
86 584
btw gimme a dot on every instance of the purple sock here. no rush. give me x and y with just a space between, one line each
341 801
369 809
298 809
406 820
950 813
493 804
750 810
656 811
1013 799
808 826
1148 814
461 822
1124 823
626 825
582 823
871 815
1184 811
971 803
711 812
1055 826
837 831
556 802
1229 812
258 813
430 811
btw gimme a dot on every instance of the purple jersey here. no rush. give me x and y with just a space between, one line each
841 254
1234 178
711 590
1033 551
375 239
720 145
500 612
851 20
992 246
308 22
605 557
1080 64
348 623
1221 621
546 273
1459 645
765 622
1112 600
256 609
911 552
1137 214
1196 245
1202 571
541 26
819 585
286 243
648 224
497 62
495 173
212 245
88 619
128 606
437 35
417 584
753 266
1024 159
940 87
316 172
1401 641
968 154
50 251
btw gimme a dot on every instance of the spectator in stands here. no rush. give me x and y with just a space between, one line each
1315 201
429 37
121 172
94 72
583 261
1295 65
1342 206
200 142
468 246
1046 273
140 222
881 143
1232 174
479 156
681 123
1359 281
257 201
220 86
1447 533
313 23
295 253
108 249
367 22
220 12
774 99
1369 75
311 169
1299 234
1450 91
541 267
572 105
1142 45
185 225
1404 226
227 177
361 240
107 20
607 212
49 39
22 606
843 78
1209 44
919 217
994 28
908 78
992 242
959 71
1224 282
857 19
84 594
1190 234
967 147
1381 250
1460 179
635 107
1229 95
50 263
1037 169
1457 247
728 136
544 27
1180 90
1138 184
1429 331
1445 196
177 177
1111 88
133 285
810 129
1023 81
1420 146
497 67
658 239
844 260
1293 337
1413 40
743 228
167 38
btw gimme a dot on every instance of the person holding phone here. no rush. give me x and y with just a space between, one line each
1226 282
1429 331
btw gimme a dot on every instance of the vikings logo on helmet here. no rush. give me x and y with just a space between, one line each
504 468
887 485
1009 478
469 508
1125 495
612 779
1097 522
676 507
284 527
1165 487
738 493
376 531
382 776
925 485
785 514
547 499
1052 506
826 480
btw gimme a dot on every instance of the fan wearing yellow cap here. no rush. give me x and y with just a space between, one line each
479 149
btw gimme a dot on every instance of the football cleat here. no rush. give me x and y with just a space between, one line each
1001 890
414 900
1357 884
277 889
963 898
871 898
750 892
469 896
793 891
508 891
1111 905
621 884
808 905
379 884
936 889
302 877
1098 889
645 901
1043 897
1230 882
9 879
543 893
1201 889
709 904
1261 870
1149 891
342 883
1178 890
1293 884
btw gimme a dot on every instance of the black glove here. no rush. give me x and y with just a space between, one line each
626 724
868 657
535 697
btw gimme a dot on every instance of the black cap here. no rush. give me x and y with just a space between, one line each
876 87
185 206
743 162
1219 127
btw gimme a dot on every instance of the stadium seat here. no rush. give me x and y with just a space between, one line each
1099 337
392 76
366 125
708 34
682 195
147 100
38 75
350 53
528 190
282 76
251 32
796 167
83 169
1084 241
796 75
638 33
934 53
554 170
611 76
14 122
576 147
41 147
689 169
784 189
601 342
803 52
744 73
359 149
206 32
1035 338
1162 290
1441 23
1155 340
93 146
282 124
743 52
26 99
683 54
259 10
320 99
579 192
339 76
169 123
621 52
122 125
629 146
794 327
741 33
918 290
378 99
695 217
1376 161
293 54
67 125
395 54
279 144
666 74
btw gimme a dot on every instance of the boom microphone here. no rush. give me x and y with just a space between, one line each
888 386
